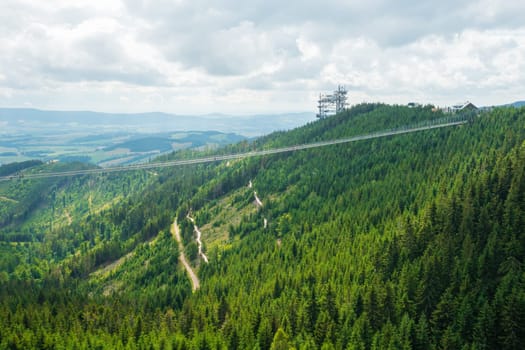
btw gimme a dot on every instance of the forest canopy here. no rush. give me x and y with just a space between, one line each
412 241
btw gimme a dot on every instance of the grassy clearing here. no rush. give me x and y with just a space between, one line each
226 212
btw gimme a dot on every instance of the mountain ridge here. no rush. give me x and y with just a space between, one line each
410 241
249 125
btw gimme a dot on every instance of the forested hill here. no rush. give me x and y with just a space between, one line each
409 241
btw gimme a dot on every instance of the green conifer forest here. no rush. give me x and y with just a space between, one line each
413 241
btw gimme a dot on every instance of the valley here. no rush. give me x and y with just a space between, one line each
110 140
104 148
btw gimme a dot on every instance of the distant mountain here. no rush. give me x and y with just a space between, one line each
114 138
518 104
26 120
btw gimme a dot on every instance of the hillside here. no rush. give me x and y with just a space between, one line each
408 241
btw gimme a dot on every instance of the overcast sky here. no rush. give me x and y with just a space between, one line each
195 56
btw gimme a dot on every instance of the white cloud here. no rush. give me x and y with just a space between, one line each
309 50
229 56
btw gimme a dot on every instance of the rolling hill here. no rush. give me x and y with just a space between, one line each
24 120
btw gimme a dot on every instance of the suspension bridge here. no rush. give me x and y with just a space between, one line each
422 126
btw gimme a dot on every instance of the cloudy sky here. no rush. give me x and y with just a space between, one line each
257 56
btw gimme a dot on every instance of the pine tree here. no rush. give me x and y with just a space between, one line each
281 341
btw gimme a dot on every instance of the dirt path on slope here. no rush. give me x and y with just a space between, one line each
199 242
175 232
2 198
258 202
